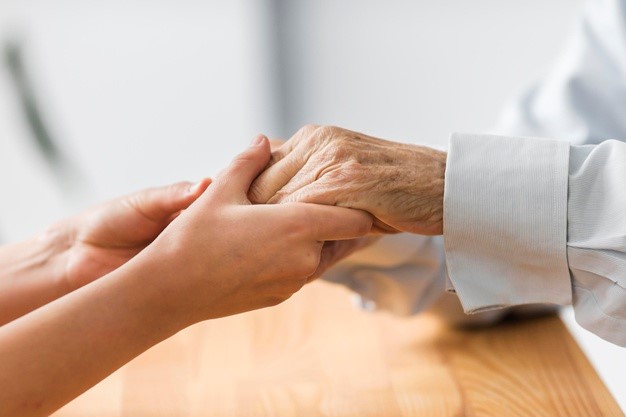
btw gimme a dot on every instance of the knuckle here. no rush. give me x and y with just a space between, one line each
347 172
280 196
276 156
236 165
316 136
309 268
276 143
307 129
328 131
243 159
259 192
334 175
240 162
340 147
280 152
304 134
274 300
256 193
139 203
353 168
310 262
294 285
339 151
285 290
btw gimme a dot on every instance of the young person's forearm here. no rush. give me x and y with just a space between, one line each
197 268
55 353
32 273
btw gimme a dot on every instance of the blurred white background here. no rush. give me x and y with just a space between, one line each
138 93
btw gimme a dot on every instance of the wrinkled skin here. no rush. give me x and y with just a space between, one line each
400 184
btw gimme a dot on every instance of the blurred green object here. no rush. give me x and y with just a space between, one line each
64 170
40 133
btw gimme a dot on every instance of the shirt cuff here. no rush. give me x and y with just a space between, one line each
505 221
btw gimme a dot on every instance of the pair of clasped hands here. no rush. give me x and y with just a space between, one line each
219 249
94 291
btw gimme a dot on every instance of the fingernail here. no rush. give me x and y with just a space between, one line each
258 139
194 187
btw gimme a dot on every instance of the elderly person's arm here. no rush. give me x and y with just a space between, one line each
339 167
582 100
397 272
524 220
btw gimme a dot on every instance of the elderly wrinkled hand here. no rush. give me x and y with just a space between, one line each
400 184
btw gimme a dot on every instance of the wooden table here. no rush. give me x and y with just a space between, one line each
316 355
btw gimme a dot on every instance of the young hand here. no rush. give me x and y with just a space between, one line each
223 255
106 236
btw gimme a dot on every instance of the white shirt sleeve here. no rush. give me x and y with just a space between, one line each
578 254
402 273
596 243
581 101
537 221
505 216
405 274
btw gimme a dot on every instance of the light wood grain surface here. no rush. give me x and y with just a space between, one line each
316 355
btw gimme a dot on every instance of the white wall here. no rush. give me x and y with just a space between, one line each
145 92
138 93
415 70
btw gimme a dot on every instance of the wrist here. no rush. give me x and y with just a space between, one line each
56 244
438 180
157 274
32 273
138 287
428 167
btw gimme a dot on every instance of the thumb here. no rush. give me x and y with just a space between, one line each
159 204
236 179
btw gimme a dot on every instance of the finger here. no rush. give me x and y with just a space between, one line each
161 203
321 191
335 251
282 151
235 180
307 175
337 223
276 143
274 178
286 161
